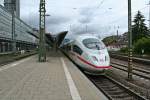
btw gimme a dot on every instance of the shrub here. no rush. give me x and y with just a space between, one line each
142 44
124 50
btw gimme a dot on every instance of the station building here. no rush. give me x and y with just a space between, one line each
13 6
12 28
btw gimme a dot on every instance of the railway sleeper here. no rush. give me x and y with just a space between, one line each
123 96
120 92
114 91
126 98
110 87
106 85
102 81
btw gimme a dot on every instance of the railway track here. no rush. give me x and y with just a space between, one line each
139 60
136 71
113 89
13 59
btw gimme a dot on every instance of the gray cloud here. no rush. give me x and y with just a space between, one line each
32 20
95 14
85 20
91 28
53 23
86 11
87 15
95 29
57 19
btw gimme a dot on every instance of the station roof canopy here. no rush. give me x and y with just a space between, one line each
58 38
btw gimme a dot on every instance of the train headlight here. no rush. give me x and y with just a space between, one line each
94 58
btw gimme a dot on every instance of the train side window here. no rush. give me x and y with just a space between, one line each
77 49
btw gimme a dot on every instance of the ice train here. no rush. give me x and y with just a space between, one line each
89 52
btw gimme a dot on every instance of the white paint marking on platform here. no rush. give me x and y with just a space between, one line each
13 64
142 78
73 89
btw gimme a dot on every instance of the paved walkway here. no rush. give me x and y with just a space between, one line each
57 79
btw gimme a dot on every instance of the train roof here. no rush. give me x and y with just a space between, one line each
85 36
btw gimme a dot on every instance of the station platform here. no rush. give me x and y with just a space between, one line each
57 79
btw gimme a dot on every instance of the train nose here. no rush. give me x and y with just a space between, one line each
94 58
100 60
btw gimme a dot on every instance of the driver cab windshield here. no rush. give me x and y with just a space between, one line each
92 43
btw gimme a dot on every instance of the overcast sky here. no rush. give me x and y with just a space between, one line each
79 16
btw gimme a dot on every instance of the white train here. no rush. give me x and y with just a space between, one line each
89 53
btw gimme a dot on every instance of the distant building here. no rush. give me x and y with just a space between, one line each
116 46
121 42
13 6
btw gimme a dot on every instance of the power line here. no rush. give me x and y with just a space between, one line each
126 15
140 9
100 4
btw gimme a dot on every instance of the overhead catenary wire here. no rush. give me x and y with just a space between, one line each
117 20
100 3
121 18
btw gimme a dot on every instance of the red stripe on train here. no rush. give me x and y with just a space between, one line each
100 67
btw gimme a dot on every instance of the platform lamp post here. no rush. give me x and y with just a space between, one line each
42 46
129 41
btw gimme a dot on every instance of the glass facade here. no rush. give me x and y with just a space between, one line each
13 5
22 30
5 24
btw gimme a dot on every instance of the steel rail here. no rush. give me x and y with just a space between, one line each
113 89
134 68
134 72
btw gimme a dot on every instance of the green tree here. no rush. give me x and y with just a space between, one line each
109 40
142 44
139 29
